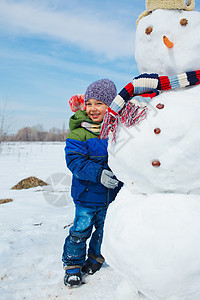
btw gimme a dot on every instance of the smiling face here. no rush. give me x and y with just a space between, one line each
168 41
96 110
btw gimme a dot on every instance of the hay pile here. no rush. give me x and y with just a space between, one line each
2 201
28 183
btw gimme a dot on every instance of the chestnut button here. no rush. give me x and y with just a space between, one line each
160 106
157 130
156 163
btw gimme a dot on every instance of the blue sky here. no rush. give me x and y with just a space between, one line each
53 49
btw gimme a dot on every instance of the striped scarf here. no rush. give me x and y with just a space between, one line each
94 128
130 106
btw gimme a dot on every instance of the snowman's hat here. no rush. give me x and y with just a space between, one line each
166 4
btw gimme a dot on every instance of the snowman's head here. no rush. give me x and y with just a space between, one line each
168 42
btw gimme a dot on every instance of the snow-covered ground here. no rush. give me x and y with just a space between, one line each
33 228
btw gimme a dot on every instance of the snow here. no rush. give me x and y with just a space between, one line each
33 228
151 53
152 228
177 147
157 245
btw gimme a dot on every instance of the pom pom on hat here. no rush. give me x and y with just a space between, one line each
103 90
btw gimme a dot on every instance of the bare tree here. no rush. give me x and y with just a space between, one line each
2 121
24 134
5 122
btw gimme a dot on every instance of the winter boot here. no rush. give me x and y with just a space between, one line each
92 264
73 277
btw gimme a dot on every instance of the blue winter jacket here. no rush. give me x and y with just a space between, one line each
86 157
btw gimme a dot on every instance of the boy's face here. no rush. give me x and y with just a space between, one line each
96 109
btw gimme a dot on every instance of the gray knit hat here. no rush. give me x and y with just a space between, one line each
103 90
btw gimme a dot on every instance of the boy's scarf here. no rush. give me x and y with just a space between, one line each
140 92
94 128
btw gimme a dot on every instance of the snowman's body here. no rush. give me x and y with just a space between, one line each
153 238
170 136
153 241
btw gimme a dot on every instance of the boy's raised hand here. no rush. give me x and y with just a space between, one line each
77 102
107 179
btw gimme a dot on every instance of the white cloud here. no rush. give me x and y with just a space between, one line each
31 59
107 37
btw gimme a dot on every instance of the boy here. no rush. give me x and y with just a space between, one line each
94 185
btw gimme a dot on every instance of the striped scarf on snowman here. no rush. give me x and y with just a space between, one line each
130 106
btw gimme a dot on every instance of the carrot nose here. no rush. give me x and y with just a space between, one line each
167 42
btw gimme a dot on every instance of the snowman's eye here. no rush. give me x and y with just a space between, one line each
148 30
183 22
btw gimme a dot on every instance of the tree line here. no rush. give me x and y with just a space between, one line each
36 134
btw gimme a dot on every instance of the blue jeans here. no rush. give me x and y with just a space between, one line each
74 251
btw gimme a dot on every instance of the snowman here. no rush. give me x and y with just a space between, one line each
152 228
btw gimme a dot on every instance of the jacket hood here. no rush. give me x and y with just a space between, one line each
78 118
